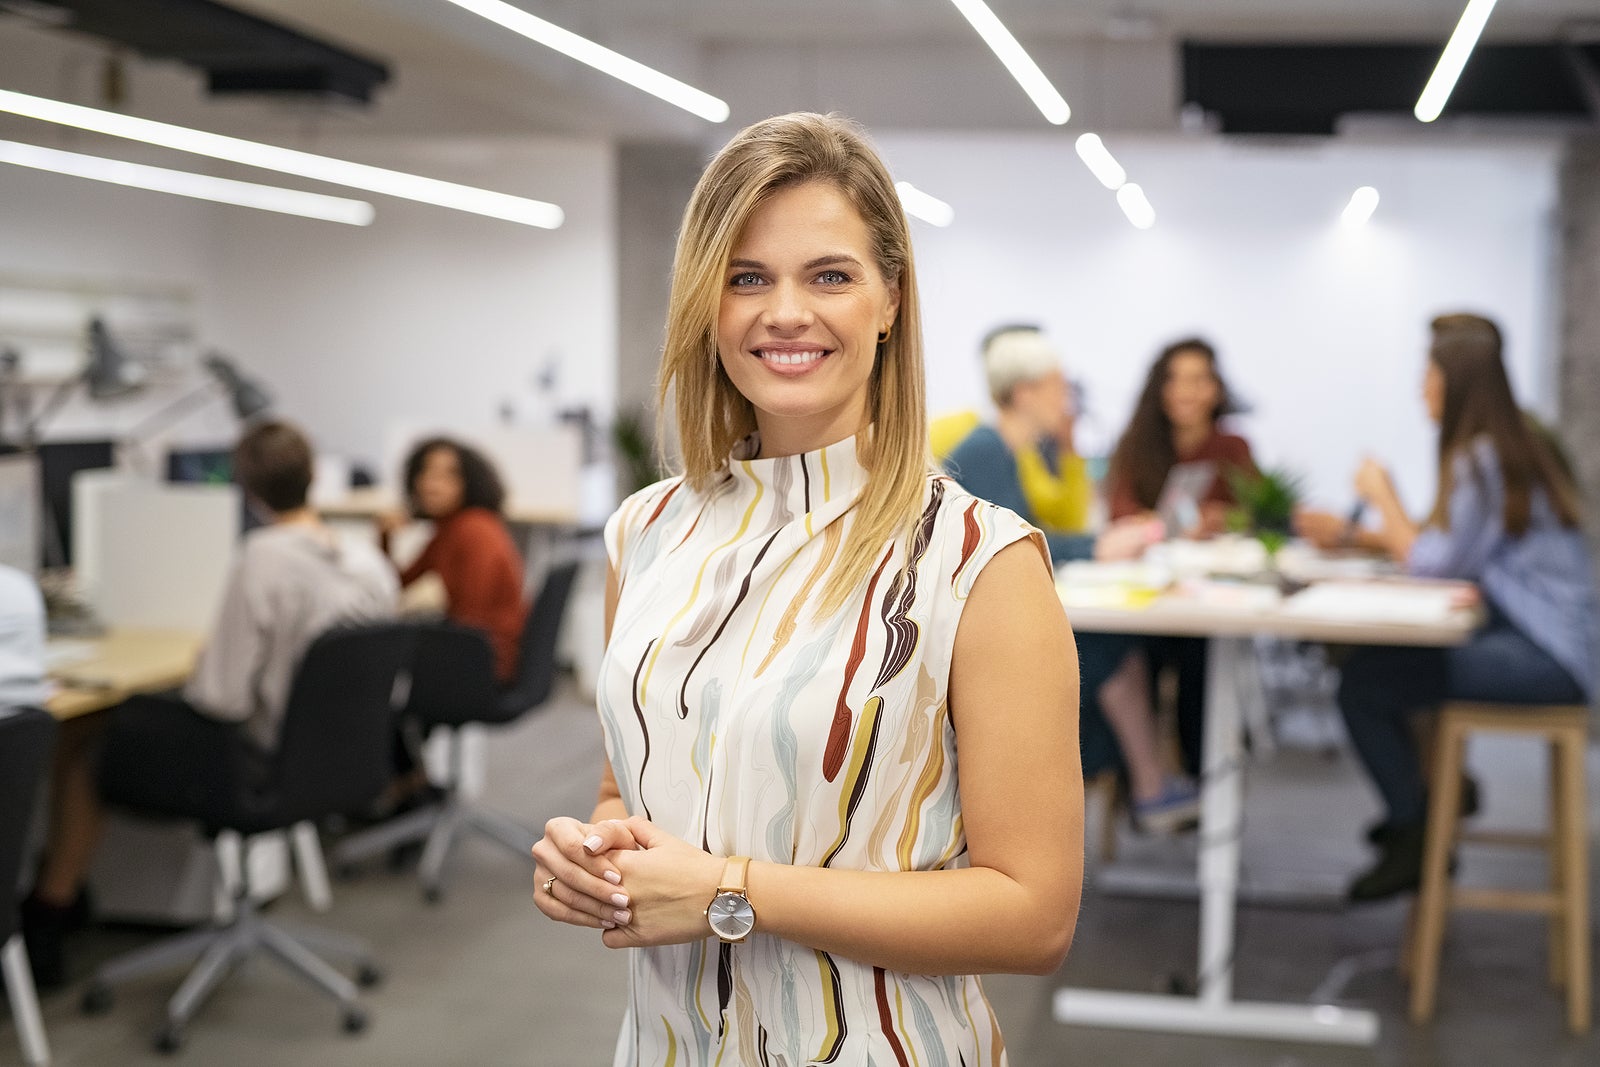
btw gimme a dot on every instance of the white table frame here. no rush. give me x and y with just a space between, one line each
1214 1010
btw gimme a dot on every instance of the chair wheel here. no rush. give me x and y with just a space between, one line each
368 975
355 1021
169 1040
96 1000
432 894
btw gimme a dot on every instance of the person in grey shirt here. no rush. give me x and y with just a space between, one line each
22 630
292 581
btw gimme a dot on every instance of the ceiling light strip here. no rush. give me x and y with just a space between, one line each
1430 105
1135 205
186 183
1016 59
921 205
287 160
601 58
1101 163
1363 202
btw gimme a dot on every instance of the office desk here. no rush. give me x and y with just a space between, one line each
369 503
118 665
1228 631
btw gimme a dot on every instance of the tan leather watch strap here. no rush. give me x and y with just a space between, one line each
735 875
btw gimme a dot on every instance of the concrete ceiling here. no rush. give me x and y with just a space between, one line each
891 63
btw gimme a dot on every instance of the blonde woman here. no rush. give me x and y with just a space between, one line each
803 629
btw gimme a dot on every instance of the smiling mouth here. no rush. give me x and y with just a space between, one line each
791 359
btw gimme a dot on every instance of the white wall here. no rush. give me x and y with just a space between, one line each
429 316
1322 330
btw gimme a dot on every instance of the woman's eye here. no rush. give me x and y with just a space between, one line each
834 277
745 280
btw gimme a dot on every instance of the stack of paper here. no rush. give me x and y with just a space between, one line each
1377 602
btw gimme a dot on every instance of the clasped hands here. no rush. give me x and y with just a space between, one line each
627 878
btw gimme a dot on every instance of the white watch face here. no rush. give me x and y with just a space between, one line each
731 916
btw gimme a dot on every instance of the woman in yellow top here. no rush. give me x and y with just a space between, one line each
798 629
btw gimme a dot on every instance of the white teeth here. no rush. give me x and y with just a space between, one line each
790 359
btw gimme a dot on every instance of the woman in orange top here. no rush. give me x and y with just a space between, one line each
455 487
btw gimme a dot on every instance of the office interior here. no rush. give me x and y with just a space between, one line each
141 330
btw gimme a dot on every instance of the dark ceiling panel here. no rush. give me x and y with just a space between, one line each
239 52
1304 89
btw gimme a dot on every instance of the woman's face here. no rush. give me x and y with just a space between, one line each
1433 391
439 489
802 305
1191 392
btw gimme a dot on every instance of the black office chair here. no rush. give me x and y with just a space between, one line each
26 738
453 685
162 758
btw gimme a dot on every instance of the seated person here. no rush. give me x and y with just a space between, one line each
292 580
1177 420
1505 515
1034 404
1033 401
456 488
22 630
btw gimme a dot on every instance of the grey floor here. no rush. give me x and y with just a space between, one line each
483 979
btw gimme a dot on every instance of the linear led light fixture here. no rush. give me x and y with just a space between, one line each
1100 161
287 160
1363 202
187 183
1136 205
920 205
1453 59
601 58
1016 60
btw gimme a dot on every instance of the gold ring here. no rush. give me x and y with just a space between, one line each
549 886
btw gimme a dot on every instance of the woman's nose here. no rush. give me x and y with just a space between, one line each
787 307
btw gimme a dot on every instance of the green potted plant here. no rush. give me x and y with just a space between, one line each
636 455
1267 500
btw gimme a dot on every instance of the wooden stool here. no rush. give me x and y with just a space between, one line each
1107 785
1566 841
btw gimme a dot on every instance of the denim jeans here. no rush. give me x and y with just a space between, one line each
1382 687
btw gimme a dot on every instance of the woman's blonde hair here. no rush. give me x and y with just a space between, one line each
712 415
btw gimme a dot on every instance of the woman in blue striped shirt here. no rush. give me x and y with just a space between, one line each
1506 516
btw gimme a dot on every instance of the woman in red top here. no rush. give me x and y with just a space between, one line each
1176 421
456 488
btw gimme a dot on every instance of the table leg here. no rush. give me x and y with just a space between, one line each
1214 1011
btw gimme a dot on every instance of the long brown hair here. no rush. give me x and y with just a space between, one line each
1145 454
1478 403
712 415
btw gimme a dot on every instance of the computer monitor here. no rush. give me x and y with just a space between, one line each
208 466
20 512
58 462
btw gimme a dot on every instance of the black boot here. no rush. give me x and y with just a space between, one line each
1399 866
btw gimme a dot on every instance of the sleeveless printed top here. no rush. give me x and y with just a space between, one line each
738 721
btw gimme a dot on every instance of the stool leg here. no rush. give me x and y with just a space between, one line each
1106 786
1558 873
1433 899
1575 843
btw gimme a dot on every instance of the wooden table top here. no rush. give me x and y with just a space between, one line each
94 673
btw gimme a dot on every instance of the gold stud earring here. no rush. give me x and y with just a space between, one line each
884 336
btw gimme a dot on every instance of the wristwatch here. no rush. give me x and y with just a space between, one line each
730 913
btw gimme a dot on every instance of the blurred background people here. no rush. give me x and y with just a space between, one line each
1026 461
1506 516
1176 421
453 485
293 580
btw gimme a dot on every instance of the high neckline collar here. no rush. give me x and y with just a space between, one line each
806 480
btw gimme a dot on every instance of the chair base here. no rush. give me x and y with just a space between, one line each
24 1002
218 950
439 826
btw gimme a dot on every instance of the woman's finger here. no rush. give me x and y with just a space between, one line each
564 904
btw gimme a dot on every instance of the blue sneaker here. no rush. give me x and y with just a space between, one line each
1174 810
